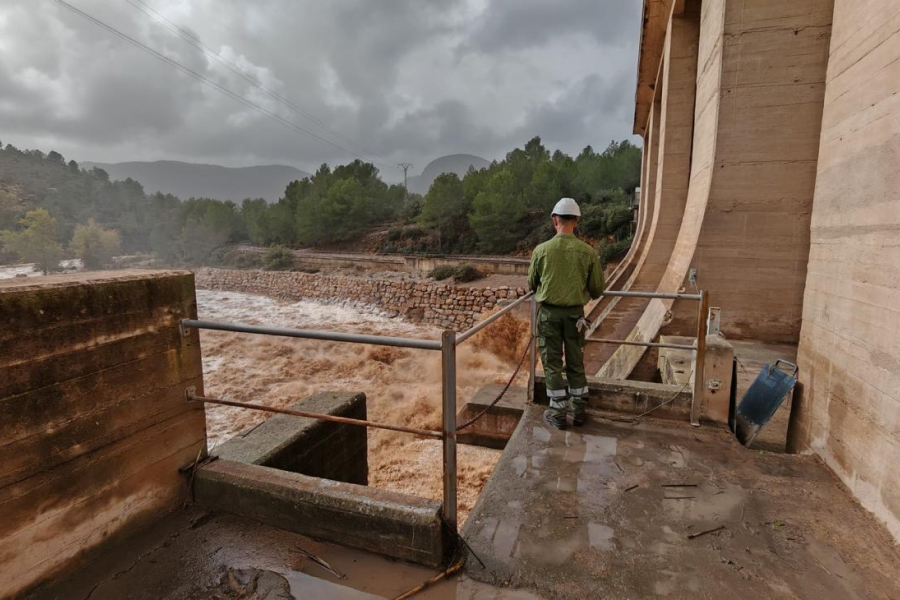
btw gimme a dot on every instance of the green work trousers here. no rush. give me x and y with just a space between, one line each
558 336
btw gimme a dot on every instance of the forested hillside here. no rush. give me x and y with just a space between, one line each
192 180
499 209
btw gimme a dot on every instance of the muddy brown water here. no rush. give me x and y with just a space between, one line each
402 386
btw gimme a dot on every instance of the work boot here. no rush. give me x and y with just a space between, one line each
554 421
577 405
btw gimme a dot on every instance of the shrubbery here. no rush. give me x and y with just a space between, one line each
442 272
463 273
607 250
239 259
278 258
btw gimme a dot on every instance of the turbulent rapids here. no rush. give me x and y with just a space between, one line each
402 386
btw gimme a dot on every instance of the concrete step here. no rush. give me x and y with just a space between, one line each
493 429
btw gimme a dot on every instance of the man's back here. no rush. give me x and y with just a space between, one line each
565 272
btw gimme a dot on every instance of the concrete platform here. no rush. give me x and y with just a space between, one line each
629 398
608 510
497 425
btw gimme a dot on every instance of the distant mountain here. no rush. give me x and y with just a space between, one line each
189 180
453 163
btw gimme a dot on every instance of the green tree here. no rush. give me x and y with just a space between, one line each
445 207
199 240
94 245
10 209
37 242
497 214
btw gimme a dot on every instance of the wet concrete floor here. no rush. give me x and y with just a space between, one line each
195 554
660 509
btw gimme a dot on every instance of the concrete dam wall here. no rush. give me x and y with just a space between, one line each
849 351
791 215
93 417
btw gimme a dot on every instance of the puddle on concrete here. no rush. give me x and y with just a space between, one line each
705 502
601 537
369 577
599 448
519 463
307 586
506 533
540 434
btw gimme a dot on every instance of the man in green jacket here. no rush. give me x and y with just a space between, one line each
564 274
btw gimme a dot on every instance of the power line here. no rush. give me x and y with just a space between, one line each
235 96
405 166
188 37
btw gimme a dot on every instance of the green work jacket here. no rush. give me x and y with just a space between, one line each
565 272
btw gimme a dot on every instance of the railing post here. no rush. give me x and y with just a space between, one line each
448 379
532 350
699 360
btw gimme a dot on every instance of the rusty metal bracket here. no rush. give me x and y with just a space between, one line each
190 392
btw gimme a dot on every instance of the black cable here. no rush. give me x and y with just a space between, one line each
500 395
237 70
202 79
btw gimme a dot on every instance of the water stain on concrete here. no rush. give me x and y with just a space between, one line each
613 507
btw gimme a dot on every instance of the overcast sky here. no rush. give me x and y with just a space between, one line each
392 80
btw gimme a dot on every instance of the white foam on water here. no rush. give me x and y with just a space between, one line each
238 307
402 385
29 270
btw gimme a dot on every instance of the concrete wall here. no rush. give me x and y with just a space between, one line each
393 524
421 263
444 305
94 425
745 228
309 446
674 113
498 265
754 245
703 150
849 351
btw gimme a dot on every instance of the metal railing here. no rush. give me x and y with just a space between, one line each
447 346
699 347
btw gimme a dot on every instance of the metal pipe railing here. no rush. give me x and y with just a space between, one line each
462 337
700 360
312 334
448 384
532 350
647 344
661 295
447 345
311 415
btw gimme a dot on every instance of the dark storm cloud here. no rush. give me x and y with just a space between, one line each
517 24
408 80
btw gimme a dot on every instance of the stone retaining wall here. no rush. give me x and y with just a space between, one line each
443 305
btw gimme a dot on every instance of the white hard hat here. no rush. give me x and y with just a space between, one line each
567 207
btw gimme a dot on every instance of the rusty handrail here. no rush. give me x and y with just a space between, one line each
312 334
311 415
